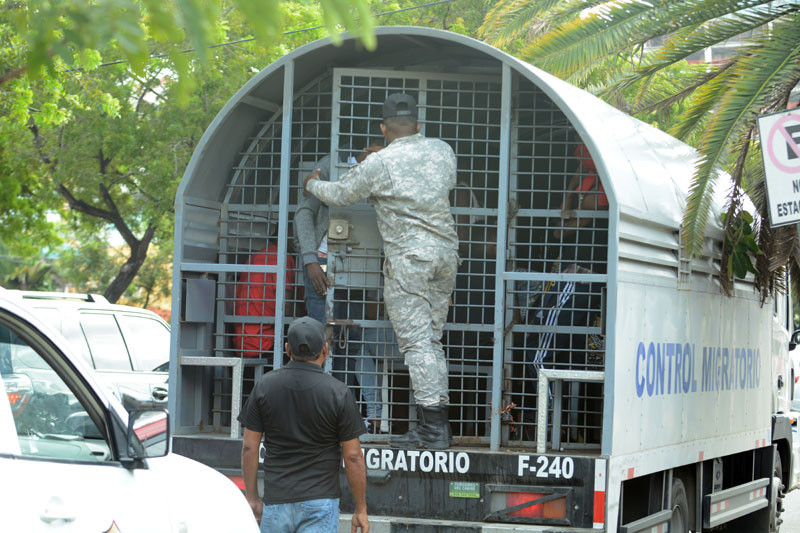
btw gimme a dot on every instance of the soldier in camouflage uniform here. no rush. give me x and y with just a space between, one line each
409 184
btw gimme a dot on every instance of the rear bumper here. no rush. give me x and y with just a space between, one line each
506 490
393 524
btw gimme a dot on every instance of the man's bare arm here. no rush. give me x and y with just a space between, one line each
356 472
250 447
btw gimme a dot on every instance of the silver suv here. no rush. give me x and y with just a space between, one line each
127 346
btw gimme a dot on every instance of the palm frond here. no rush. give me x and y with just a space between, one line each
659 98
510 19
705 99
594 76
617 25
582 41
571 9
741 153
753 178
701 35
760 66
794 269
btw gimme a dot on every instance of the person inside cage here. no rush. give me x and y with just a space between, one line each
377 345
255 296
584 192
558 308
349 364
557 305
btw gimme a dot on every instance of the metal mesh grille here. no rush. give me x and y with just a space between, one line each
556 231
559 235
466 114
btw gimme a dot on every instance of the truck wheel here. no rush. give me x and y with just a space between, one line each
679 523
777 500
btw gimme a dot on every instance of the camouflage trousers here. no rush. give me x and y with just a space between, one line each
417 289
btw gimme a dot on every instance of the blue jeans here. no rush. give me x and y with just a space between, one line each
315 302
311 516
378 343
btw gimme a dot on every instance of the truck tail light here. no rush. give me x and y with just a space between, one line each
550 509
237 480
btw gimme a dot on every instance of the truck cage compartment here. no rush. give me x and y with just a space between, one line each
551 284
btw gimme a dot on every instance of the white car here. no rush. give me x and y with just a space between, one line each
70 457
127 346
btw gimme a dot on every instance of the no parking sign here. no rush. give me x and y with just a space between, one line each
780 149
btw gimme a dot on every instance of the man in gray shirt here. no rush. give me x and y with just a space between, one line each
409 184
311 227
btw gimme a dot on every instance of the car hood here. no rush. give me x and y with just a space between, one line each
210 502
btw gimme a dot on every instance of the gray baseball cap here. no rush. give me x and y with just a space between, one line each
306 336
400 105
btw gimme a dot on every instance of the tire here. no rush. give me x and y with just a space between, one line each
679 523
776 500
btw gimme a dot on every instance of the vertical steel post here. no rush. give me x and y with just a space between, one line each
283 209
219 328
500 258
175 378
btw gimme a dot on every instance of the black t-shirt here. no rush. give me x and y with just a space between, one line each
304 414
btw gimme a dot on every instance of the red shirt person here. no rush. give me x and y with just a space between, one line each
255 296
584 192
590 181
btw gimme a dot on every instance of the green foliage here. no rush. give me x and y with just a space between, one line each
117 136
60 29
739 245
154 282
24 275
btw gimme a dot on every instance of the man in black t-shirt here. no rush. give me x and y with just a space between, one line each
304 415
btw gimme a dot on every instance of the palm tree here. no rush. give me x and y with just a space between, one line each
600 45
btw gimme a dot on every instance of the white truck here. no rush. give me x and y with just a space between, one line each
600 380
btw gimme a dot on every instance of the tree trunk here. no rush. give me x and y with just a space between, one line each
138 247
130 269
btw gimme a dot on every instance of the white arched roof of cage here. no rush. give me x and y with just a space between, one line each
646 172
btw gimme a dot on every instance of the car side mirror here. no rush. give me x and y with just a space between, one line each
794 340
148 433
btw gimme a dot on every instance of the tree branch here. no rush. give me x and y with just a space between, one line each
37 142
104 161
13 74
119 223
82 206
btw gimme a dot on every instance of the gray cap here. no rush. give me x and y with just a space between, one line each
400 105
306 336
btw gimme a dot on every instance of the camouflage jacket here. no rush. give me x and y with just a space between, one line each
409 184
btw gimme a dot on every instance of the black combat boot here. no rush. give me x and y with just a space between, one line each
436 433
411 439
446 408
431 431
